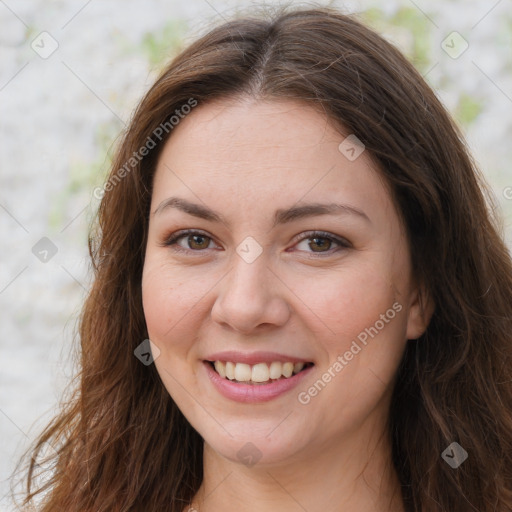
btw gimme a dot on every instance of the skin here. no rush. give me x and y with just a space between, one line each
245 158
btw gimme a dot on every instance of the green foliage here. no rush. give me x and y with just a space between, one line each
405 20
160 46
414 29
467 109
85 175
420 28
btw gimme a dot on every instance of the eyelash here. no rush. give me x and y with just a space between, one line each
171 241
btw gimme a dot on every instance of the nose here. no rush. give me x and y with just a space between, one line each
251 296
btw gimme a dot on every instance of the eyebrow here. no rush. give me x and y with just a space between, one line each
281 216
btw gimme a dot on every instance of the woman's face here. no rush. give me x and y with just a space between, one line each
255 287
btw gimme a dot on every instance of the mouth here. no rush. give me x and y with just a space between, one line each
258 374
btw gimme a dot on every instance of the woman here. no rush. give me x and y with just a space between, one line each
293 220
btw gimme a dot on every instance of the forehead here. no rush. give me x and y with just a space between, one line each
246 153
242 125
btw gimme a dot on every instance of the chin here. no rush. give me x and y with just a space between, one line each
251 449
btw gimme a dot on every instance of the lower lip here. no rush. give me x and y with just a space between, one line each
252 393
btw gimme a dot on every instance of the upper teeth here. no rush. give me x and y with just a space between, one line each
260 372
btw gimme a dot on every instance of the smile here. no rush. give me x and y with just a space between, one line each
253 383
257 374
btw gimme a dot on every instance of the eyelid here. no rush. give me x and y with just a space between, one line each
171 240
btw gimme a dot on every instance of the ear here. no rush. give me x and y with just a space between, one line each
420 311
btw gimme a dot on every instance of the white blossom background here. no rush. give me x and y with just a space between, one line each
71 73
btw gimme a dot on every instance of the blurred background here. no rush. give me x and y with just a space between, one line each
71 74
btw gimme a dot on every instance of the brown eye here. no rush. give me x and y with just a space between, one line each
198 241
320 242
195 241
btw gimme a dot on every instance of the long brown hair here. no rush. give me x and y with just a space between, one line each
123 445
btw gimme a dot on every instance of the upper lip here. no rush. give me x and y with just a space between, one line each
254 357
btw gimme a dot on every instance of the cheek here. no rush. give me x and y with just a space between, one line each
360 325
358 317
171 303
157 295
342 303
168 300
